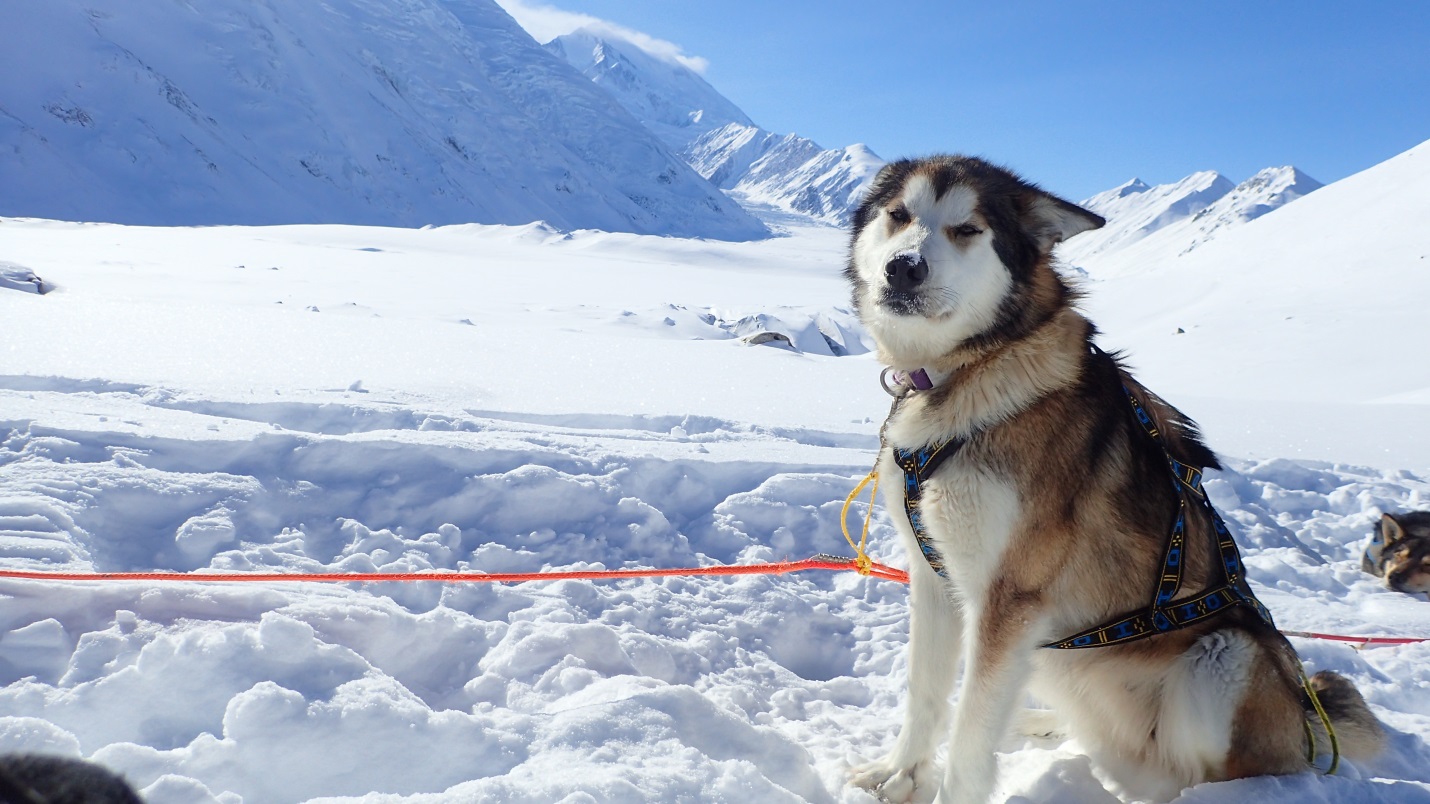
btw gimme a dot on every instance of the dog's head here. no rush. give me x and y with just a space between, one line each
1405 551
952 250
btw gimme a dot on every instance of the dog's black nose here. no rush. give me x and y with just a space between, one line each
906 271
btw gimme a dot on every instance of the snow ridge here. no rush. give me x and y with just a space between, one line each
671 100
755 165
1148 223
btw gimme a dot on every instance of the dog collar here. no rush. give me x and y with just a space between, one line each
897 383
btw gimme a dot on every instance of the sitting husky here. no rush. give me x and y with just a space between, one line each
1045 496
1399 552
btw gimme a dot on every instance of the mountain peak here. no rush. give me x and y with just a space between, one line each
1134 186
668 98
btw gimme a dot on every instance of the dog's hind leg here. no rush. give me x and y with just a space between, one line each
1232 709
908 774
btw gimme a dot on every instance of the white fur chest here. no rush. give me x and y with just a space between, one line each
969 513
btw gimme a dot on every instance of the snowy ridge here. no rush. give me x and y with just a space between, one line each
1135 210
785 171
727 155
669 99
1269 189
757 166
324 114
1146 224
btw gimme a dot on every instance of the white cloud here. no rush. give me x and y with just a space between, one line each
545 23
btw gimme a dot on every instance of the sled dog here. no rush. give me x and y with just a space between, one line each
1046 496
29 778
1399 552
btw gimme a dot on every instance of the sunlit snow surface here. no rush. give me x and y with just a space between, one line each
515 399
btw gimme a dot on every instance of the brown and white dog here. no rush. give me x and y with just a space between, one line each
1051 517
1399 552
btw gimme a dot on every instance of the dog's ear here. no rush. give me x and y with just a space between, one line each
888 180
885 184
1390 530
1051 220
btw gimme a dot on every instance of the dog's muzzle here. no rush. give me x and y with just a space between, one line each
906 271
904 276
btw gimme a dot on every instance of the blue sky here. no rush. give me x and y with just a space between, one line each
1078 96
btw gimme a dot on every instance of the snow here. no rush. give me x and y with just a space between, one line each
422 112
520 398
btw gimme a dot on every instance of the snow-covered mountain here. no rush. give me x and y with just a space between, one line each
1269 189
755 165
1282 301
428 111
1147 223
785 171
670 99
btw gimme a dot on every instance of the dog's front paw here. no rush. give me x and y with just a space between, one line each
898 783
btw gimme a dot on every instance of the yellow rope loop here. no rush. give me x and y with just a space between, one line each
862 562
1325 721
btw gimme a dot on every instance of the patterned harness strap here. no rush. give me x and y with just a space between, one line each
1162 614
918 466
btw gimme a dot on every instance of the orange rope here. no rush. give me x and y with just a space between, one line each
1358 641
833 563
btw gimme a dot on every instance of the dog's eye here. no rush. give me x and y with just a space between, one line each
963 231
899 215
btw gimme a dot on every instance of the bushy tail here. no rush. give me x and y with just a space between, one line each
1361 736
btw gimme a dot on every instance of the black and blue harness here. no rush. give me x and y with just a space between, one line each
1163 614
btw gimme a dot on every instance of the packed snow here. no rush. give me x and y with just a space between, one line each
523 398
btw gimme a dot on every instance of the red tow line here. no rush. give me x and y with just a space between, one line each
832 563
820 562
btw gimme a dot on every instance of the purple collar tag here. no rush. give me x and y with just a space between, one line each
897 383
919 379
